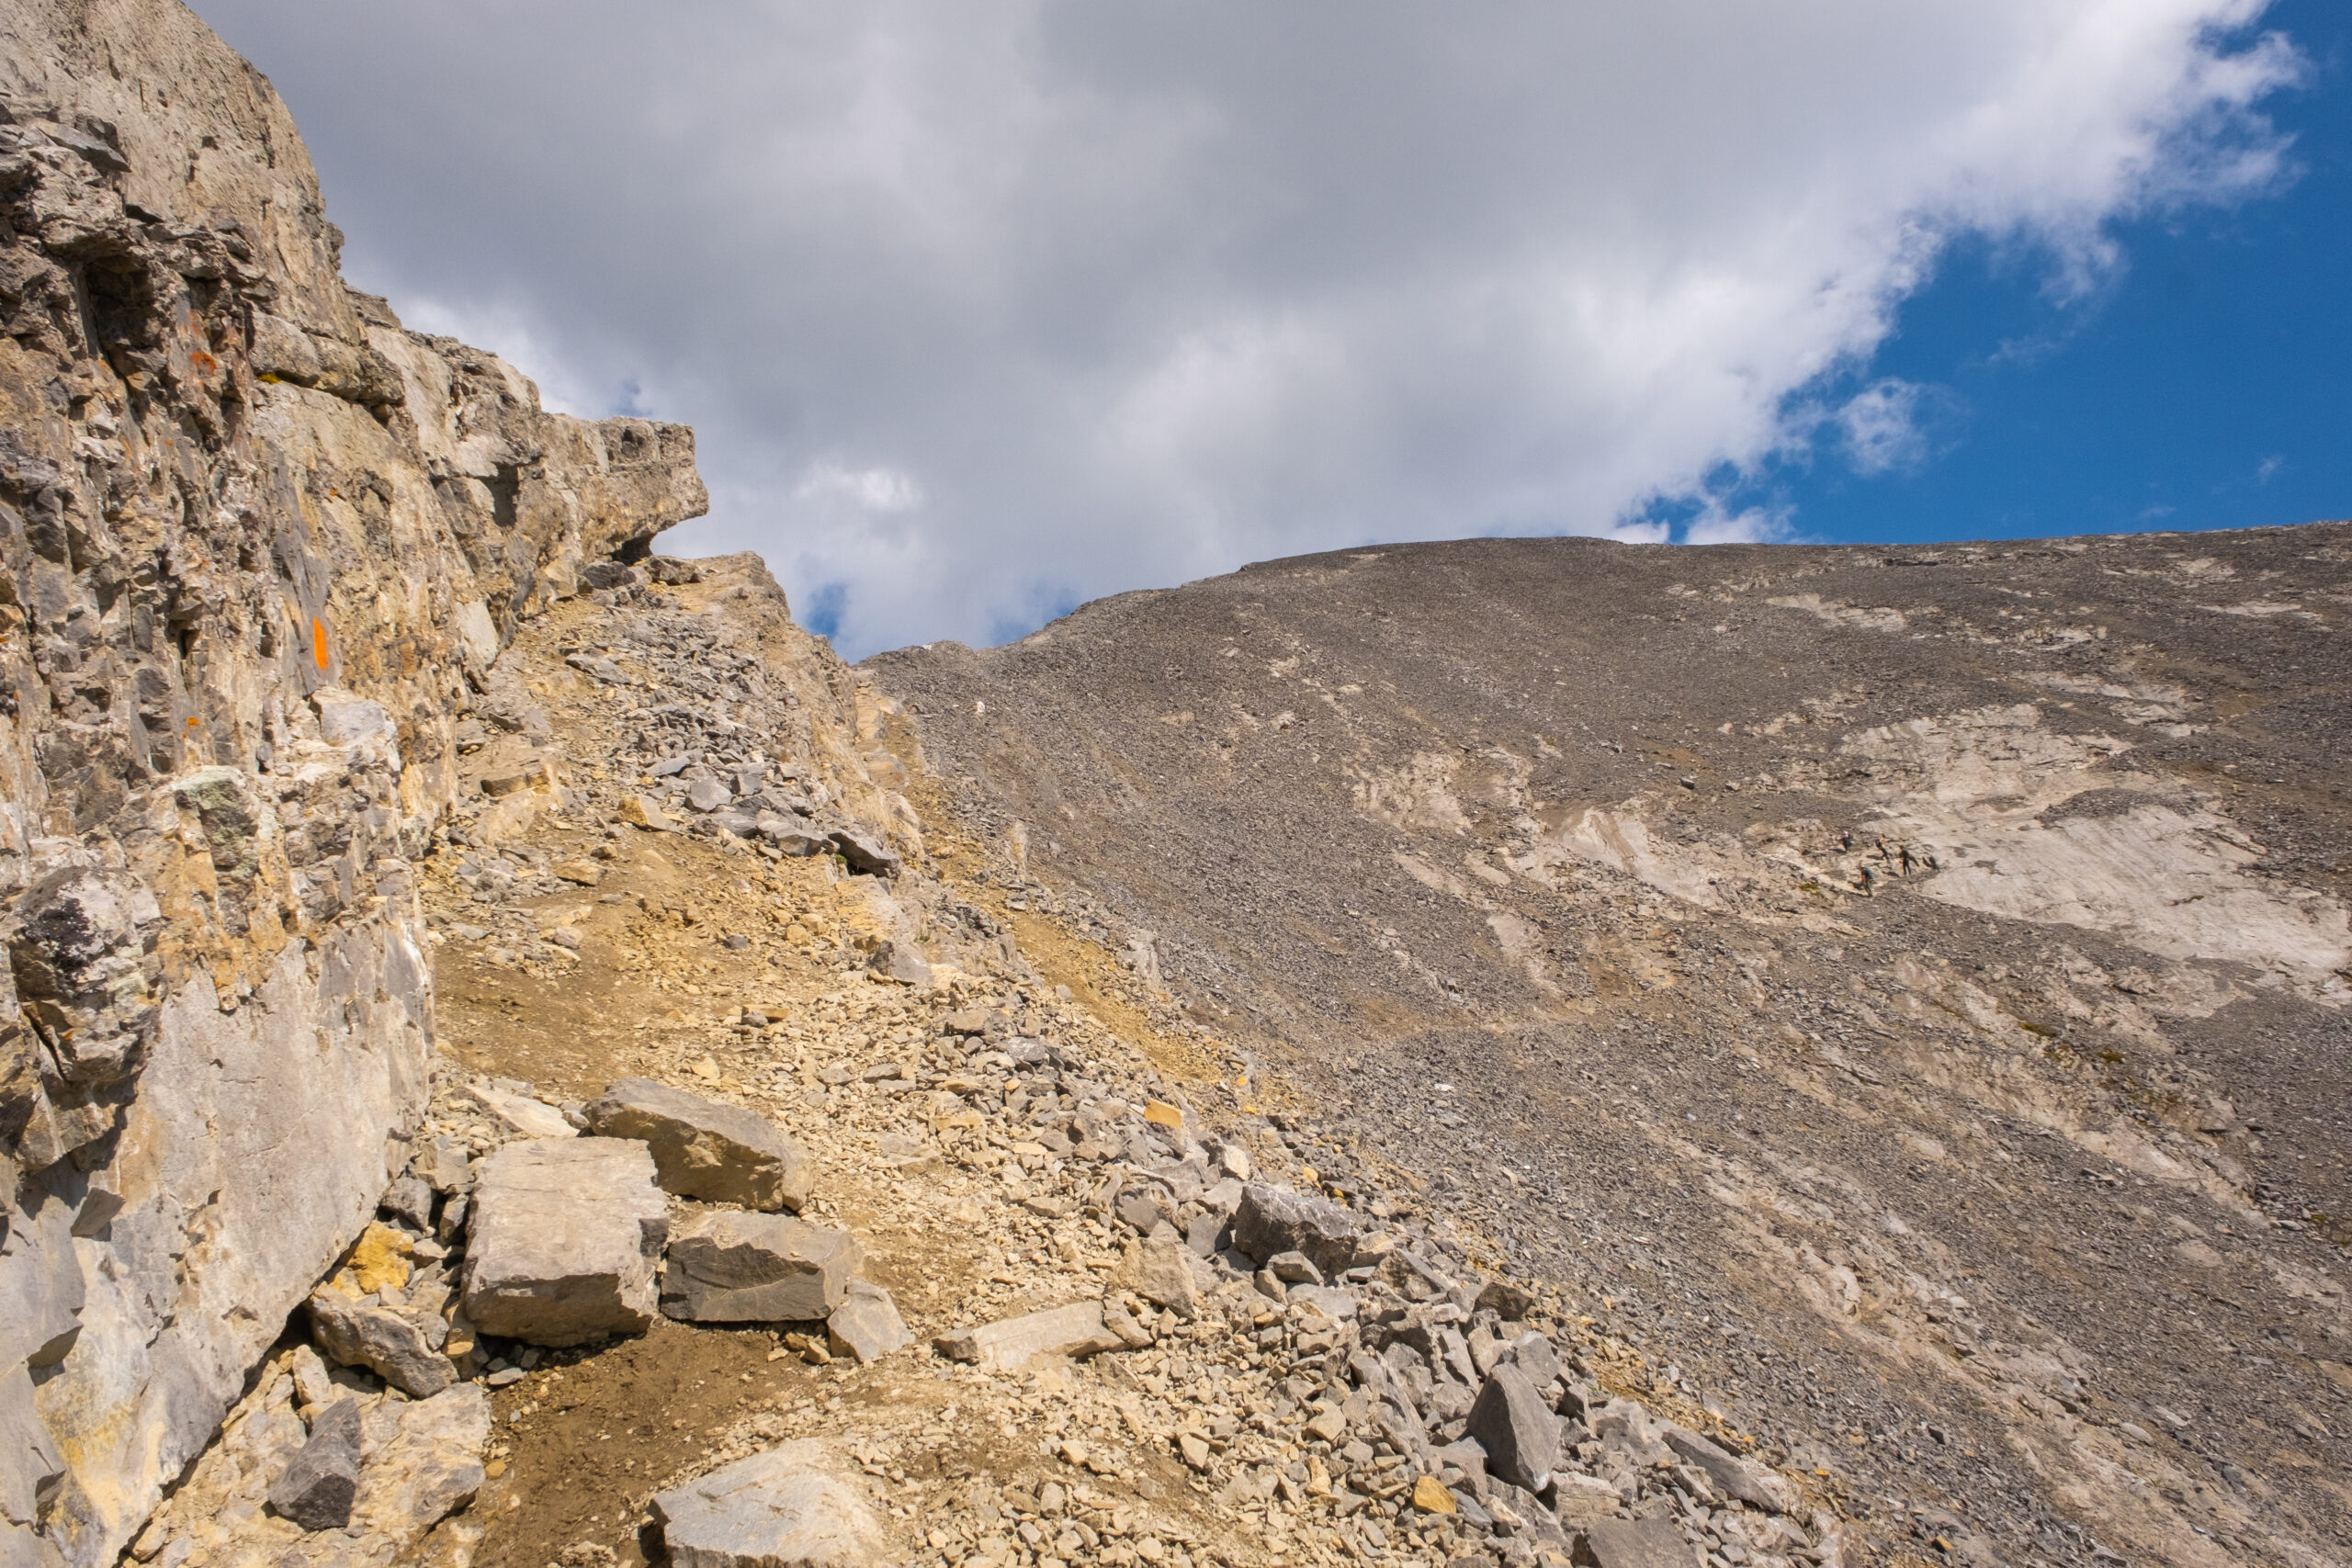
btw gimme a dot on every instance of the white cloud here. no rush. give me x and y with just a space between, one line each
1143 292
1882 426
868 489
1715 525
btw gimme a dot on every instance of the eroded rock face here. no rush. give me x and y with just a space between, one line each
263 548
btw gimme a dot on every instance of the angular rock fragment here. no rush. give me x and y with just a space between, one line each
1632 1543
864 852
1576 1497
702 1148
788 1507
317 1490
562 1239
409 1201
396 1347
1733 1476
866 1325
1164 1273
728 1267
522 1116
899 960
420 1462
442 1163
1521 1438
1073 1330
1273 1220
1293 1269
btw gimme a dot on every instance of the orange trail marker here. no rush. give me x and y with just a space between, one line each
318 641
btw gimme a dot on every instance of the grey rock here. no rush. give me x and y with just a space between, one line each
1521 1438
419 1462
729 1267
702 1148
1273 1220
1164 1272
795 840
899 960
318 1489
1293 1269
1733 1476
1329 1300
1632 1543
1142 1210
42 1290
562 1239
410 1201
1532 1354
866 1325
789 1507
864 852
443 1165
1074 1330
1509 1301
708 795
395 1347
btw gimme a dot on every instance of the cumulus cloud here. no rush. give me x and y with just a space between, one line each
1888 426
982 308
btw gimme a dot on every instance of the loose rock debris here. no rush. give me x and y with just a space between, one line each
1031 1305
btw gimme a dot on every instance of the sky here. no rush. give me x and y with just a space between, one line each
980 309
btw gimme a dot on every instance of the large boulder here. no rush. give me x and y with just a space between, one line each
789 1507
563 1234
728 1267
702 1148
1273 1220
1522 1438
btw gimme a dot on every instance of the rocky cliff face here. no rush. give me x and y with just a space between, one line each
263 551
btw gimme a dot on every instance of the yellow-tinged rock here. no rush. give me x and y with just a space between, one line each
380 1259
1431 1496
639 812
586 872
1160 1113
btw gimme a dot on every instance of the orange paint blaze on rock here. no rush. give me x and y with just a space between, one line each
318 641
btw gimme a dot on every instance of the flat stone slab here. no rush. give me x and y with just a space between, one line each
1632 1543
789 1507
703 1149
1073 1330
729 1267
562 1237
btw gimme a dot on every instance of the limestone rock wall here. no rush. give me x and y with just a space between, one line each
263 548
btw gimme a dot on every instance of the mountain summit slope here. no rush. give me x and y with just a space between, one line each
1903 988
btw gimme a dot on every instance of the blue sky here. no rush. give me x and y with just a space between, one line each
2207 384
